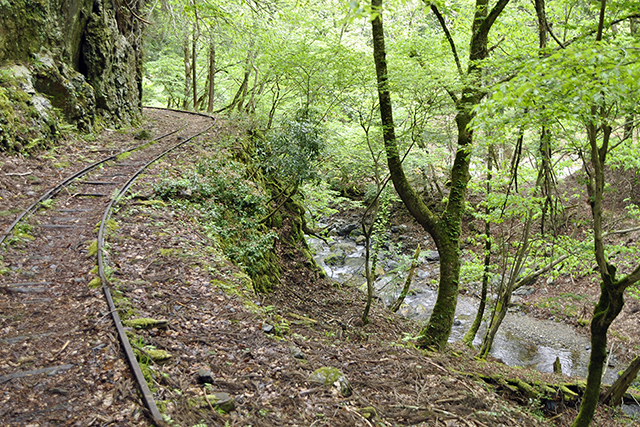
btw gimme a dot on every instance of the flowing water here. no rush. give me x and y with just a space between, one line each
521 341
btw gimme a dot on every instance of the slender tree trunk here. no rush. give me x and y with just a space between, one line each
194 59
187 74
212 75
611 291
242 90
473 330
504 295
407 282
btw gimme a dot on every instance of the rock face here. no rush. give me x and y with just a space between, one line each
67 59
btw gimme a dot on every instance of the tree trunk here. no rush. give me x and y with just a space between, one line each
436 332
407 283
242 90
187 74
473 330
445 231
212 75
504 295
608 307
615 393
611 289
194 58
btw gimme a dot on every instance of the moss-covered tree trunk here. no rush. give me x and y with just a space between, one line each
611 289
444 229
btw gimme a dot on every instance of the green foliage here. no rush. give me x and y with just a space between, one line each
293 151
322 202
231 208
21 232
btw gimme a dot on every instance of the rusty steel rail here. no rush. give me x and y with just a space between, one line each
147 396
55 190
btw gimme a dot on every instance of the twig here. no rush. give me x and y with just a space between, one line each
136 15
59 351
451 414
481 423
361 416
608 358
628 230
108 313
438 366
207 399
18 173
468 388
309 391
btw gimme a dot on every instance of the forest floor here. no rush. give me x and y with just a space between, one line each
262 349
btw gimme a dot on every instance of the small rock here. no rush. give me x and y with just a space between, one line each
332 377
457 322
356 233
432 256
345 230
268 329
395 229
360 240
524 291
392 265
335 258
296 352
205 376
422 274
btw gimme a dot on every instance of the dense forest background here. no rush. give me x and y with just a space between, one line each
513 114
507 131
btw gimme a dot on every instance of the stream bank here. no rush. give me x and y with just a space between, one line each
522 340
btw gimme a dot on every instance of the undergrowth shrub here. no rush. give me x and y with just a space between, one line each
231 208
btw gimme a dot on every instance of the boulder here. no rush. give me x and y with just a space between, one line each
332 377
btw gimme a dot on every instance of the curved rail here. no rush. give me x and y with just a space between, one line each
133 363
55 190
147 397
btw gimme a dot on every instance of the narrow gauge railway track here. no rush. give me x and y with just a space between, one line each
60 358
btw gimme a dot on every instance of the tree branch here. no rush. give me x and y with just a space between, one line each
447 34
493 15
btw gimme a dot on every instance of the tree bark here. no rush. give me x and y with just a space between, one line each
194 59
612 290
212 75
504 294
614 395
473 330
187 73
445 230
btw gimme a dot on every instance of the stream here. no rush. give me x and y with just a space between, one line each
521 341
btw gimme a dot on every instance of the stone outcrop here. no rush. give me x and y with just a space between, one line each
71 60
